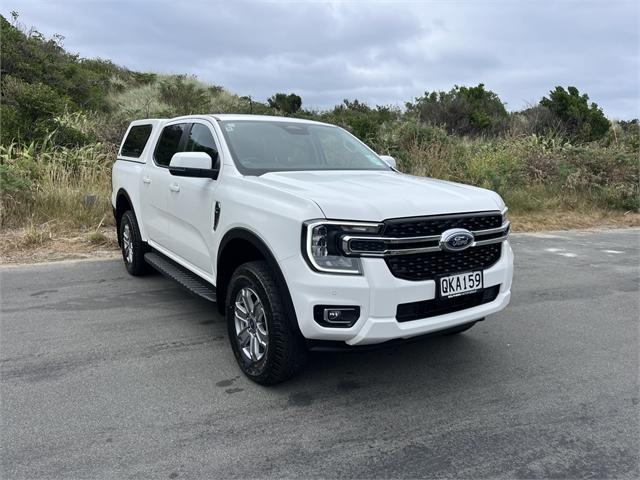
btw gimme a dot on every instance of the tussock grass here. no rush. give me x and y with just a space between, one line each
531 173
64 188
97 238
48 185
34 236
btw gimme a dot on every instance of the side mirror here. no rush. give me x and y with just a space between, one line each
389 160
193 164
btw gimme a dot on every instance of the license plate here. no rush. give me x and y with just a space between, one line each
460 284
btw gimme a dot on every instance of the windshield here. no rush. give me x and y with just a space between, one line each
261 146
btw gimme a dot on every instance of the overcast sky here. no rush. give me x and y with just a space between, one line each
382 52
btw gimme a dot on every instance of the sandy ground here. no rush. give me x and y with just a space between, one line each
22 246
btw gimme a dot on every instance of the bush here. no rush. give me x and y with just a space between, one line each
29 109
536 120
462 110
360 119
581 121
288 104
184 94
31 112
68 116
625 132
34 59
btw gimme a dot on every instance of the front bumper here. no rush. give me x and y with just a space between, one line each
378 294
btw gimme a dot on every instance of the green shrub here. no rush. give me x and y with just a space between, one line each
31 108
360 119
288 104
536 120
462 110
63 118
184 94
581 121
34 59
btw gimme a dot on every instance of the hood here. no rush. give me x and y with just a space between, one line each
376 196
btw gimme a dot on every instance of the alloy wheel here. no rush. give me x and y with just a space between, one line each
251 325
127 244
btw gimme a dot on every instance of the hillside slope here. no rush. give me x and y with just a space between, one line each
63 117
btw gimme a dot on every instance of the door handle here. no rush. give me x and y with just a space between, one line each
174 187
146 180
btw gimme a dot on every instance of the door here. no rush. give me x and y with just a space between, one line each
156 180
192 203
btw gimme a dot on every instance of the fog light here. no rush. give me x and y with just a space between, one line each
336 316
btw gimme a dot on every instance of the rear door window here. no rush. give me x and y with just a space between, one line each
169 143
136 141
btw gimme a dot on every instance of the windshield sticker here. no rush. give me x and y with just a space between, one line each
229 127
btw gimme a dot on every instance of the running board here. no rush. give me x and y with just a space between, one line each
184 277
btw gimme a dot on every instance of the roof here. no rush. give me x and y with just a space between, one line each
261 118
233 117
143 121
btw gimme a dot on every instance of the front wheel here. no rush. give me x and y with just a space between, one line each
266 345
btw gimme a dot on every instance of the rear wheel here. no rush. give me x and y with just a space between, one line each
267 347
133 248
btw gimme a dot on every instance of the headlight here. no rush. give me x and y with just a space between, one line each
321 245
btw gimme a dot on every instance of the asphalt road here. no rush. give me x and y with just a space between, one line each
109 376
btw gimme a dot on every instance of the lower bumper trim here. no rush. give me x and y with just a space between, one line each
343 347
407 312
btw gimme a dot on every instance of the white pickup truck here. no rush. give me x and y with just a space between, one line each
305 237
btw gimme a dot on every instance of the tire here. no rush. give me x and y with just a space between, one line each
133 248
270 350
459 328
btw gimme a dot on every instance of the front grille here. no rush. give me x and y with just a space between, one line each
426 266
407 312
368 245
435 225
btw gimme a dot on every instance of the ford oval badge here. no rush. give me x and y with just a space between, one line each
456 240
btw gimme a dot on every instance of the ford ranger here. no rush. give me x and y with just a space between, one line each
305 237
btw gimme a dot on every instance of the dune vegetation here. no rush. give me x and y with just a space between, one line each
62 118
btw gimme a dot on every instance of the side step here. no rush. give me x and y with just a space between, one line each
184 277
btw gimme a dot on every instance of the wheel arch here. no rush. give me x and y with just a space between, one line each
123 203
240 245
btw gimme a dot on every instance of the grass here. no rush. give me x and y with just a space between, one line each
97 238
531 174
65 188
34 236
57 197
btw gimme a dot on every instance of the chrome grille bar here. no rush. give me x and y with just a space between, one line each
348 250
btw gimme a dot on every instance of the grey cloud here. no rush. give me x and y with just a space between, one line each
383 53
